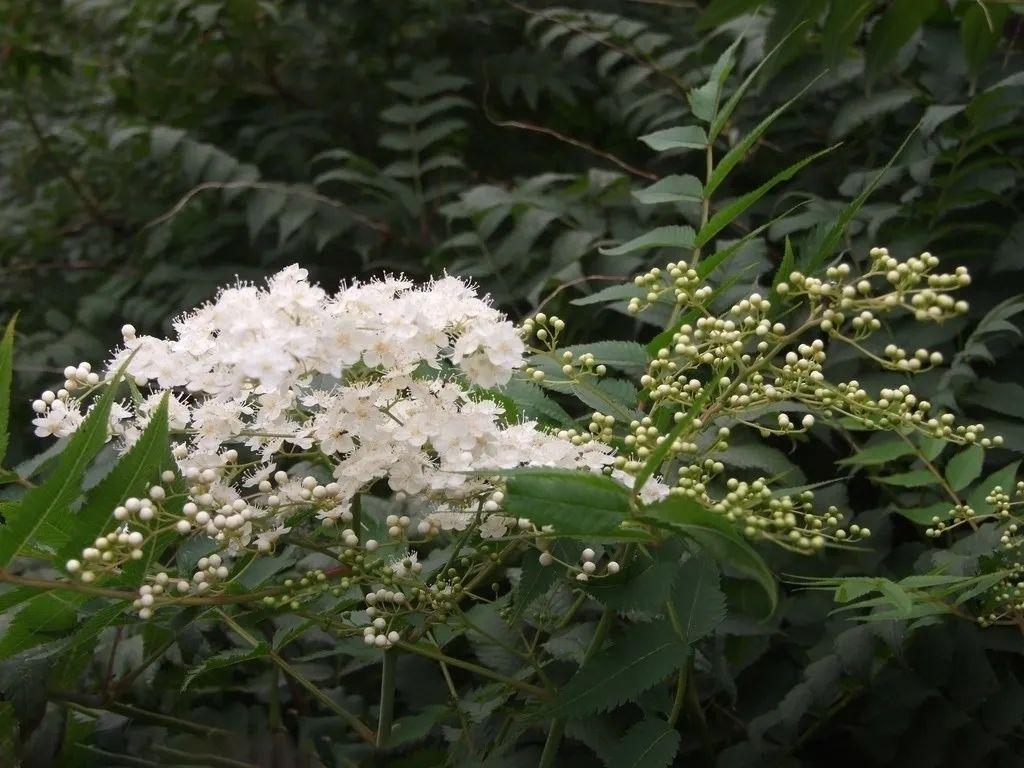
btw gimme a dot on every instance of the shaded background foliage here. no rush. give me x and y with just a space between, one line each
150 151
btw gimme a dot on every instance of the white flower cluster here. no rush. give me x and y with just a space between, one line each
376 383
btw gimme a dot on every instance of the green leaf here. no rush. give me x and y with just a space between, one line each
727 109
82 642
6 367
698 598
49 503
41 618
535 581
919 478
704 100
980 32
858 112
648 744
680 137
672 189
643 586
625 355
896 595
897 25
964 468
570 501
533 403
835 234
716 535
842 25
734 155
607 397
720 11
880 453
638 660
724 217
611 293
924 515
1005 478
224 659
133 475
662 237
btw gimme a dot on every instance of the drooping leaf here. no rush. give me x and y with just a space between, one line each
716 535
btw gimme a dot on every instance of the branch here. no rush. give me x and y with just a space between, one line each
563 138
271 187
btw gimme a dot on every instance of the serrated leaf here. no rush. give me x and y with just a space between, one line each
533 403
224 659
39 619
570 501
672 189
82 641
964 468
662 237
49 503
644 655
716 535
681 137
6 368
626 355
648 744
642 587
698 598
137 470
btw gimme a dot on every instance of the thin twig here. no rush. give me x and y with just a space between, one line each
284 189
364 731
563 138
136 713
